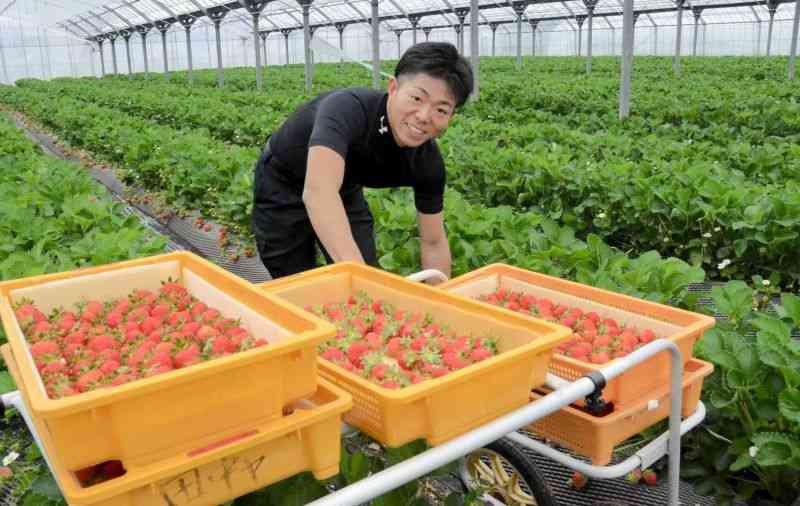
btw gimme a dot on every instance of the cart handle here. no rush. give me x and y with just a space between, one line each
428 274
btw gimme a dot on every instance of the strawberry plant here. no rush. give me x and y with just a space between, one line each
751 446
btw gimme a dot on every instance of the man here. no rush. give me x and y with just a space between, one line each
309 180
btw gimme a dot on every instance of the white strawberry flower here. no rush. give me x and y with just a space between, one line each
11 457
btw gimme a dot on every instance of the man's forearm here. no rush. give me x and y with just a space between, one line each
329 219
436 256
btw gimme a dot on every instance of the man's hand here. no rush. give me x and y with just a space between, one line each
435 248
324 176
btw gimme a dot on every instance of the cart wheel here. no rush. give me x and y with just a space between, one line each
506 474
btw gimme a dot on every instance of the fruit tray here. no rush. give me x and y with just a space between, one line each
445 407
595 437
154 417
306 438
684 328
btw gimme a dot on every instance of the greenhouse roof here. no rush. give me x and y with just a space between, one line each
89 18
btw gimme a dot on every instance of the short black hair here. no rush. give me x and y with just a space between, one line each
442 61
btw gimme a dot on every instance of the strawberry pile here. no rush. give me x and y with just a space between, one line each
595 339
394 348
106 344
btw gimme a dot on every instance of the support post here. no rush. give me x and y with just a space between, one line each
461 14
427 31
376 46
676 60
112 38
580 19
697 11
519 10
143 30
126 36
772 6
414 20
340 28
286 32
163 26
457 28
99 40
627 60
475 48
254 8
6 78
216 16
187 22
264 47
399 34
655 40
534 24
590 5
306 5
493 26
793 49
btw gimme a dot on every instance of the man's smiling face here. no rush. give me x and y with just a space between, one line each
419 108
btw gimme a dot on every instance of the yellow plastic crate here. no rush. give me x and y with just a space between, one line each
443 408
306 440
682 327
595 437
149 419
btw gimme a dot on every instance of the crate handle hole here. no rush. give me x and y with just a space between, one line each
99 473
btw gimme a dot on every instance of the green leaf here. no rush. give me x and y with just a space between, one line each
791 306
742 462
354 466
6 383
775 448
717 346
46 486
774 349
789 404
773 454
735 299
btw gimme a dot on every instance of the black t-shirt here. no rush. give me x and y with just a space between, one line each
353 122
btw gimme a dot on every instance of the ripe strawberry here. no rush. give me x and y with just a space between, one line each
114 319
647 336
453 361
187 357
479 353
374 341
40 328
89 380
101 342
109 366
578 481
355 351
197 310
333 354
649 477
600 357
93 307
634 476
122 379
43 348
210 316
394 348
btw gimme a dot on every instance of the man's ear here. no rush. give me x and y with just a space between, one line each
393 85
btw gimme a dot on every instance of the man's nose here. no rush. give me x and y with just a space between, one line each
424 113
